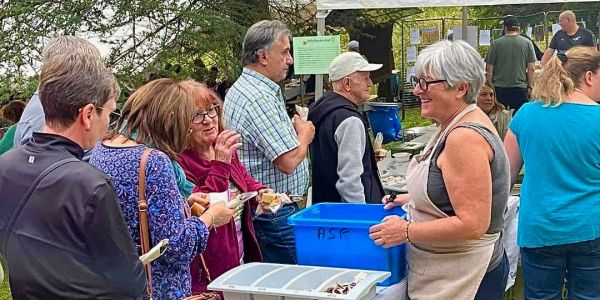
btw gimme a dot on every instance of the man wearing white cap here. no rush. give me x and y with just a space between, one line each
344 166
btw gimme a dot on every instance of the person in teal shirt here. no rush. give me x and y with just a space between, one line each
557 138
11 112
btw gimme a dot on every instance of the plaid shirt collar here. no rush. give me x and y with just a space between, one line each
259 78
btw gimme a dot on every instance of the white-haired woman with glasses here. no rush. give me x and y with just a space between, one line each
212 164
457 187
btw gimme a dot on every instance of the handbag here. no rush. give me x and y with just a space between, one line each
206 295
145 233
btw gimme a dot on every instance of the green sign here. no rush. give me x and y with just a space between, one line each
313 54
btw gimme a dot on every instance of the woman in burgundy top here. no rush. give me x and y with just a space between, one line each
211 163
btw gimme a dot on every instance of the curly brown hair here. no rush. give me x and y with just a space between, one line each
13 110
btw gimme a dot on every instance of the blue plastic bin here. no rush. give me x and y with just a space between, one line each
337 235
383 118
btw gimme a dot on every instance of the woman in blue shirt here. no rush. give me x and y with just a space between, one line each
558 139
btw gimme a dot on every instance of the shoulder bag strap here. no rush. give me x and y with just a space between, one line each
25 198
143 216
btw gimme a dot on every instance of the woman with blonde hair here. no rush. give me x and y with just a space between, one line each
156 119
496 112
557 137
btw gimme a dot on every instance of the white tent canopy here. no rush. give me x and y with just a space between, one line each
368 4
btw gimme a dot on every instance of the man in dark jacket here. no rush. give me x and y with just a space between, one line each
67 239
344 166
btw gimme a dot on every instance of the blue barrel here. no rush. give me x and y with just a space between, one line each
384 118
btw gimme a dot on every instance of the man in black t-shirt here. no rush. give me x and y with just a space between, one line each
570 35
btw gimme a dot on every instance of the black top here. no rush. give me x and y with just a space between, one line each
70 241
327 114
562 42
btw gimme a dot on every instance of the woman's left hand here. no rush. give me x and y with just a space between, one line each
226 144
389 233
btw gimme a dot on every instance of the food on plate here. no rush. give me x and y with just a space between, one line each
271 199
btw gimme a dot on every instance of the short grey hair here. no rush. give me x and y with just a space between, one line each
262 36
456 62
69 44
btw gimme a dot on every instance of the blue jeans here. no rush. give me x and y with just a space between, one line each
493 283
276 237
545 268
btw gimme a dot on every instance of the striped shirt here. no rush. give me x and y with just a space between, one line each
255 108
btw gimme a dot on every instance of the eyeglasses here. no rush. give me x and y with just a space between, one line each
114 115
212 111
423 83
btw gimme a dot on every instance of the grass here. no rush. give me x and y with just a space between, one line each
516 291
412 119
4 289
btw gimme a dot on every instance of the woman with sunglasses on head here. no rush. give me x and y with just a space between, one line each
488 103
157 117
557 138
457 187
211 162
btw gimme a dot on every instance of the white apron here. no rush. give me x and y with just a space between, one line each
441 270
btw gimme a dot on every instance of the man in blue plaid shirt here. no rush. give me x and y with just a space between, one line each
274 147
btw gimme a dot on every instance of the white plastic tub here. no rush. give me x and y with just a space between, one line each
265 281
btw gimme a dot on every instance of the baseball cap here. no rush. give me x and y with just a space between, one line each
510 21
348 63
353 45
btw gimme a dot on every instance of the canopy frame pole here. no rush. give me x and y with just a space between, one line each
321 16
465 17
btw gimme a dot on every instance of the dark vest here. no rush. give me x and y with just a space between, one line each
327 114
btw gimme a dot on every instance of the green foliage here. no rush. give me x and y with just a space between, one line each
17 88
166 38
